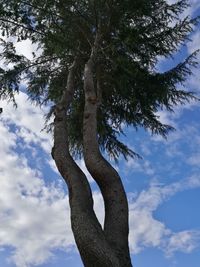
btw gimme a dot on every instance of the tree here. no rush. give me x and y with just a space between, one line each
96 71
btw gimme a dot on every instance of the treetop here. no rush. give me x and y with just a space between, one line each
133 35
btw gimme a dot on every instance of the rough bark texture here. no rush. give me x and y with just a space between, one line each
116 207
89 236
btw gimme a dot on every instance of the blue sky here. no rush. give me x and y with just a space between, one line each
163 188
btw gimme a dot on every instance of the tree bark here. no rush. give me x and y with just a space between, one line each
89 236
116 226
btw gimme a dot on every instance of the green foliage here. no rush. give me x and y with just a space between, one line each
133 35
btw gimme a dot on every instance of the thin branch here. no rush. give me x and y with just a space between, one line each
21 25
69 91
85 35
84 17
43 9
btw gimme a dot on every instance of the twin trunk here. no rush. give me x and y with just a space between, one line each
98 247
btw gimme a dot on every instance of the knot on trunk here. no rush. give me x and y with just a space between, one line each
92 100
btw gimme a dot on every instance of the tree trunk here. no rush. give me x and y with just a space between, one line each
116 227
89 236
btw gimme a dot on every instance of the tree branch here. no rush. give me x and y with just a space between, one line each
21 25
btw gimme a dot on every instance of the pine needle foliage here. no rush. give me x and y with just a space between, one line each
134 34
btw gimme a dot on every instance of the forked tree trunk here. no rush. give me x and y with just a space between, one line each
94 249
98 247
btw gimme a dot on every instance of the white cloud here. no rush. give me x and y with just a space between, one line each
81 164
194 80
138 165
194 5
194 160
194 44
27 49
185 241
145 148
29 121
146 231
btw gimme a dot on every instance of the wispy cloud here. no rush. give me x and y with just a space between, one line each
146 231
185 241
194 5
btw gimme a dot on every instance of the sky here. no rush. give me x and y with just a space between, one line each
163 187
